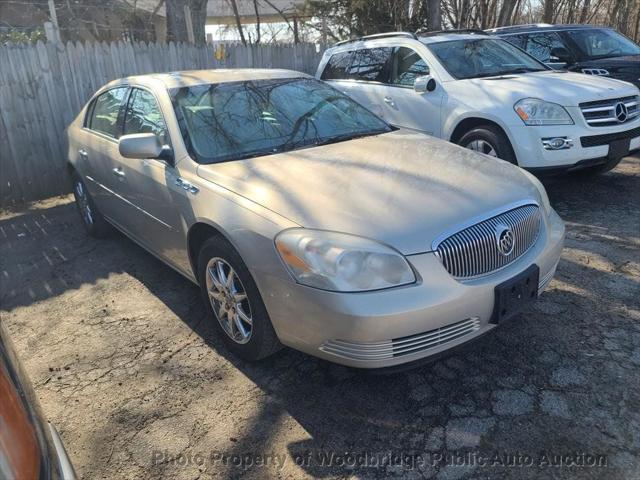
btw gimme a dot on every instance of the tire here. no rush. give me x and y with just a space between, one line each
93 221
599 169
262 340
489 136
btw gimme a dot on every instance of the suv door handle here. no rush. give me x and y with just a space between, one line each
118 172
83 153
388 100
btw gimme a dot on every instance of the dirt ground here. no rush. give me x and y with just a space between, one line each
127 368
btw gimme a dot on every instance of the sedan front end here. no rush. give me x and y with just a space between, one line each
434 313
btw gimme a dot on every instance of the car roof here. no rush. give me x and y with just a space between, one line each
424 37
447 37
537 27
187 78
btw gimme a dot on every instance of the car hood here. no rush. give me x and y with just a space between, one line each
565 88
403 189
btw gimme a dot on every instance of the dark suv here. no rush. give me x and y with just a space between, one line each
580 48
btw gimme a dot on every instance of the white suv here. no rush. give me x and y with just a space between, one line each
485 94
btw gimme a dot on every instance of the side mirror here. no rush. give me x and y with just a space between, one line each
560 54
425 83
140 145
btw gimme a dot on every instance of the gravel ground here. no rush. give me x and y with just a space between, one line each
139 386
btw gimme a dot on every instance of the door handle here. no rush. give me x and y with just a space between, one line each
188 186
388 100
118 172
83 153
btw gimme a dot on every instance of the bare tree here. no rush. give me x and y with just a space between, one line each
236 14
434 14
257 12
177 23
547 16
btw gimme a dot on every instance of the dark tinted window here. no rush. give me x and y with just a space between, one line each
370 65
519 41
540 45
407 65
106 109
594 43
336 68
143 115
235 120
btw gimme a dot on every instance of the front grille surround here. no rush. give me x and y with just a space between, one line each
398 347
602 113
473 251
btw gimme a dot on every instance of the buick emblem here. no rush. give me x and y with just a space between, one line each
621 112
505 240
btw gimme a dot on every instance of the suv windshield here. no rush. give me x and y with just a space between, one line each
484 57
236 120
594 43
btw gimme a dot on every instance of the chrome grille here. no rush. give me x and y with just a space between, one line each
602 113
474 251
401 346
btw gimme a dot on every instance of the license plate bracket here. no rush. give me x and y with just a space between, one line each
619 148
513 295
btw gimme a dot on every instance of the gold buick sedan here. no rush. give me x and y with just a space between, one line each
306 220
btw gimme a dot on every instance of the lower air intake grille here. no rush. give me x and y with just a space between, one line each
404 345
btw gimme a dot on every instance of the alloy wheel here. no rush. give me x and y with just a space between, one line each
83 202
229 300
482 146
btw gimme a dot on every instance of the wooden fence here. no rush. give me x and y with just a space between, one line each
43 86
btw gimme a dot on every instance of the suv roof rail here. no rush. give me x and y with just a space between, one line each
378 35
427 33
518 27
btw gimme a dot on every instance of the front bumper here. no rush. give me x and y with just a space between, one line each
404 324
527 144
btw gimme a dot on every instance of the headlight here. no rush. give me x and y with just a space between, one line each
534 111
543 192
340 262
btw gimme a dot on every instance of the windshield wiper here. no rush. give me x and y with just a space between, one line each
335 139
349 136
509 72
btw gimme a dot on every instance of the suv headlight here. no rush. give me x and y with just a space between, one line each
534 111
341 262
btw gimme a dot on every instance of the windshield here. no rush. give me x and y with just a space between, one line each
231 121
594 43
484 57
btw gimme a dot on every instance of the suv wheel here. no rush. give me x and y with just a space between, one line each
234 302
489 140
93 221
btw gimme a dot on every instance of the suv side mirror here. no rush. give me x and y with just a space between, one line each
561 54
424 83
140 145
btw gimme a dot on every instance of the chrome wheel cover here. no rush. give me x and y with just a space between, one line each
83 203
229 300
482 146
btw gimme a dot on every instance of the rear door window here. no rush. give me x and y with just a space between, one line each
540 45
105 112
519 41
336 68
371 65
